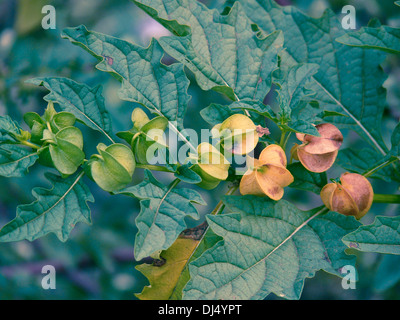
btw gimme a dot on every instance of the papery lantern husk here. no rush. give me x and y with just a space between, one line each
212 166
318 154
353 196
239 134
269 175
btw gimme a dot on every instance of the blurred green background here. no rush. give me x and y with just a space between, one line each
97 261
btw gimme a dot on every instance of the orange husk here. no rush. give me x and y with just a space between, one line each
268 175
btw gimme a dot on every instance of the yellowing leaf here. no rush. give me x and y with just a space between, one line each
164 278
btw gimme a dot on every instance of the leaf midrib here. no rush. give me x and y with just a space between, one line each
357 122
277 247
18 160
55 204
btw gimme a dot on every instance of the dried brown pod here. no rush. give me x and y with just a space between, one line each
353 196
317 154
268 175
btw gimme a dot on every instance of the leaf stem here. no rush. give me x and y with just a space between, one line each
221 206
30 144
284 139
386 198
380 165
180 134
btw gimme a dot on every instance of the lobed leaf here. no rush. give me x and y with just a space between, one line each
160 88
383 38
293 88
15 160
162 215
268 247
87 104
56 210
349 79
9 129
224 52
382 236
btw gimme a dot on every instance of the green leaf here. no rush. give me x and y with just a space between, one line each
255 107
382 236
307 180
162 215
349 79
382 38
296 114
268 247
216 113
169 275
56 210
327 113
223 51
87 104
361 160
66 154
160 88
9 129
15 160
301 126
293 86
186 174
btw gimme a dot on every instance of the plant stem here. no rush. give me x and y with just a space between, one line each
30 144
153 167
286 140
283 138
378 167
386 198
221 206
183 138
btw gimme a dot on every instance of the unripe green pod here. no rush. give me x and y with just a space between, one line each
65 149
62 120
56 121
144 134
37 126
211 166
112 169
